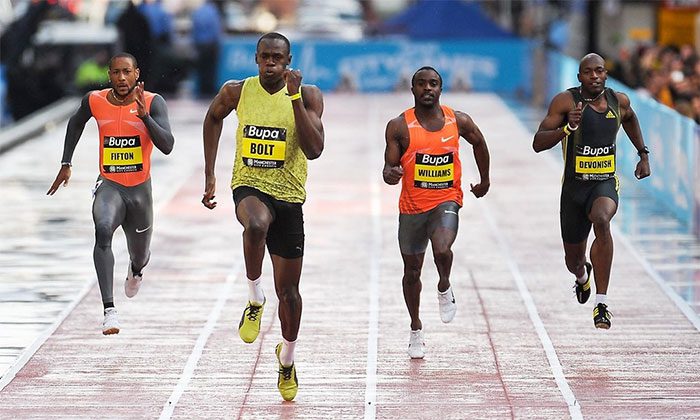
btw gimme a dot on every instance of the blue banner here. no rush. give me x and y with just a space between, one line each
502 66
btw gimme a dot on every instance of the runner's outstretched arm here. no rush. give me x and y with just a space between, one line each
224 102
472 134
551 131
630 124
158 125
76 125
395 130
307 114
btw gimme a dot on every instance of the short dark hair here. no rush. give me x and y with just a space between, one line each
413 79
124 55
274 35
589 57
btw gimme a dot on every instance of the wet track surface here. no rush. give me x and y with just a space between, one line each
520 345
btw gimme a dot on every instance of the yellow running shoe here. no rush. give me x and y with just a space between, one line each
249 327
287 381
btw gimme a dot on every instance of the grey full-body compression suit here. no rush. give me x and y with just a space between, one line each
115 204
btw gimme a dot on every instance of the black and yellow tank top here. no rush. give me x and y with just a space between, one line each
268 156
589 152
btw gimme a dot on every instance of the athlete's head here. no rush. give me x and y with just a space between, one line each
272 56
592 74
426 85
123 73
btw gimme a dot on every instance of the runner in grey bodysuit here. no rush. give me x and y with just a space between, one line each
130 207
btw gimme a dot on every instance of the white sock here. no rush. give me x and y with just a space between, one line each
255 291
582 279
287 353
446 292
601 299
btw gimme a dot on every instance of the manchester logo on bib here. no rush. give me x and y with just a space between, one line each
122 154
434 171
264 147
595 163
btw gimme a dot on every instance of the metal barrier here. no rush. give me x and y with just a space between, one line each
37 122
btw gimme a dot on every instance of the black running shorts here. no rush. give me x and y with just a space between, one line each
285 236
576 202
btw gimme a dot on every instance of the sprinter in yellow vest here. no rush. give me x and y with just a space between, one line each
279 128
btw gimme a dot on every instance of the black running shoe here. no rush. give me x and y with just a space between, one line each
583 291
601 316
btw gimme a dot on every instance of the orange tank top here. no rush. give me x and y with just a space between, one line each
125 145
432 171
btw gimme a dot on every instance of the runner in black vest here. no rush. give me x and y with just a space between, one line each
586 120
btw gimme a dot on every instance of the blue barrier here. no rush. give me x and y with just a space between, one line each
502 66
671 137
4 111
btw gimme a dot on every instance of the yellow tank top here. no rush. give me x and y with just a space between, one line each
268 156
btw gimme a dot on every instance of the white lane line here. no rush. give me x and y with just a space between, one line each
29 351
560 379
682 305
373 327
374 267
204 335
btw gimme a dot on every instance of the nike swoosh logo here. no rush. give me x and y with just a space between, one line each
443 139
133 111
450 211
142 230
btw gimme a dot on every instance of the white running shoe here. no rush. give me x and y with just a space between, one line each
111 323
416 345
448 307
132 283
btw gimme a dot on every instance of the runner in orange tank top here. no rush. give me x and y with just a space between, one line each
131 121
422 151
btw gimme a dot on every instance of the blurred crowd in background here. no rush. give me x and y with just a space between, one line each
669 74
53 48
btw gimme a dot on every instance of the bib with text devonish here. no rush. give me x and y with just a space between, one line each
434 171
264 147
122 154
595 163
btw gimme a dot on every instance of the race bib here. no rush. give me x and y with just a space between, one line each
121 154
434 171
595 163
264 147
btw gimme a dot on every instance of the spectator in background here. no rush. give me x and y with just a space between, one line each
159 20
668 74
167 68
135 33
695 104
36 83
206 36
93 73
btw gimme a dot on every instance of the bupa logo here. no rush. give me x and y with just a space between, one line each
597 151
265 133
433 160
121 142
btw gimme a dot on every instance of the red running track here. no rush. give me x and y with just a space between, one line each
520 345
